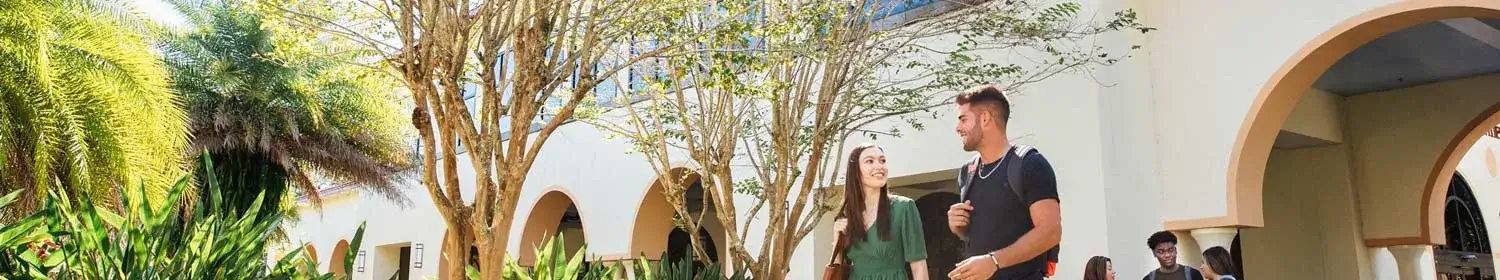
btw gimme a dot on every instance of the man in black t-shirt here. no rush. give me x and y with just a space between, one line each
1164 247
1007 230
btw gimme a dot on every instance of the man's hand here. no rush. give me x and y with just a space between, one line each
958 218
975 268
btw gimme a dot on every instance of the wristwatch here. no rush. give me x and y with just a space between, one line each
993 260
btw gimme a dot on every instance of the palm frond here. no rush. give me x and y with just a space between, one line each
310 115
99 117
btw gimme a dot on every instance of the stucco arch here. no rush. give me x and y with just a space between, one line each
1433 199
653 220
336 260
312 253
543 220
1281 93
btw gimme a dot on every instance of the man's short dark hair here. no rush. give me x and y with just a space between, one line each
1161 237
987 96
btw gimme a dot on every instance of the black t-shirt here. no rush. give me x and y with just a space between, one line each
1183 272
999 218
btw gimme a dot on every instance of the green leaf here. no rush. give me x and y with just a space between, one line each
574 263
20 232
9 198
352 254
113 220
473 273
643 267
29 257
54 259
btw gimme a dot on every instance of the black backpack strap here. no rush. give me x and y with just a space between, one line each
966 175
1013 173
1016 178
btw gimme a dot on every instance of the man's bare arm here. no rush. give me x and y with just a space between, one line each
1046 232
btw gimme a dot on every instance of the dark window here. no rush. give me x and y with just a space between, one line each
894 7
1467 254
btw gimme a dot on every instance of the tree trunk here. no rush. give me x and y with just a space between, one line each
494 256
493 244
455 253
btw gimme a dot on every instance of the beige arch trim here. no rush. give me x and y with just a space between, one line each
1434 232
336 260
543 218
312 253
1279 96
653 217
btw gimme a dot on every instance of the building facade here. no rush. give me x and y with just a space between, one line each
1319 139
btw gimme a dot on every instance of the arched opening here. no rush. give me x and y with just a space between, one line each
312 253
655 220
679 244
1353 141
1467 254
554 214
944 250
679 248
336 260
1341 60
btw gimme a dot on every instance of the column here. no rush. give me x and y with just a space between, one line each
1412 261
1210 237
1383 264
629 272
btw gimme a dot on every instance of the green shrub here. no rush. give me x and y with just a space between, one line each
682 269
554 263
22 245
164 242
149 241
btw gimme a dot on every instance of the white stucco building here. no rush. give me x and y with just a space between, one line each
1321 136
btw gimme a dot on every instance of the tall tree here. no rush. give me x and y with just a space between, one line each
83 102
530 62
776 97
279 111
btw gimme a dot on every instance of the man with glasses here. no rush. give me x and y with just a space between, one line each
1164 245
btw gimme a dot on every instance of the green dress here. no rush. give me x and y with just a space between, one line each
875 259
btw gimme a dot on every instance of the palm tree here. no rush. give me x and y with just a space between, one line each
84 103
276 112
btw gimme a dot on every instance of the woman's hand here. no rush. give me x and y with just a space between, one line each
840 224
838 231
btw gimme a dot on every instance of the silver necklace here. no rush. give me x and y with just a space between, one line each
986 175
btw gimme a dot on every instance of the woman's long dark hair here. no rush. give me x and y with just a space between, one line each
1219 260
854 202
1097 268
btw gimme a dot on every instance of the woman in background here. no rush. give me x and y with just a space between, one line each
1217 265
1099 268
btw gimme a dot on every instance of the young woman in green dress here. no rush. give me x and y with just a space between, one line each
884 231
